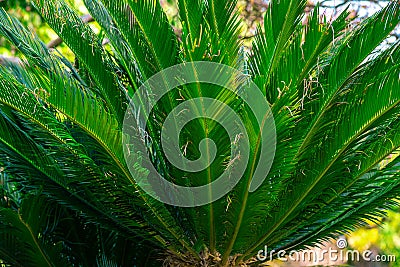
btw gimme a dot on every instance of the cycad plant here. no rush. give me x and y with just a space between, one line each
71 194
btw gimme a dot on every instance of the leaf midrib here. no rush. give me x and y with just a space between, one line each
306 237
274 58
160 219
344 147
177 237
244 203
44 256
55 180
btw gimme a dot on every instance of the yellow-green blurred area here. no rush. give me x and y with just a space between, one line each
26 14
377 244
382 237
385 237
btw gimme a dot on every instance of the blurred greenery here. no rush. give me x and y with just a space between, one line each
26 14
389 236
24 11
385 237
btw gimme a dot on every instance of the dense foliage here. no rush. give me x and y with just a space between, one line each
69 198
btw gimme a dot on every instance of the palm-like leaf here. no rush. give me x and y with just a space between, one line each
334 96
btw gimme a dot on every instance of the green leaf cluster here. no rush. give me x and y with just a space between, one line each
69 198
